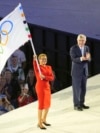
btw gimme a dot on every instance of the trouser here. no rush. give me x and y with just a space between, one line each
79 90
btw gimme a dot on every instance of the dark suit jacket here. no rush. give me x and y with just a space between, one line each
78 66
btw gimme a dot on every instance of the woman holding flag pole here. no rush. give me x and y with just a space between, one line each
44 74
16 20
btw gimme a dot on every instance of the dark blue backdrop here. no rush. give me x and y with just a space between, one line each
72 16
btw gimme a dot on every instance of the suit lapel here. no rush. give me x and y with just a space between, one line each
79 50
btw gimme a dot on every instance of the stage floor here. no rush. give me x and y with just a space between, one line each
62 116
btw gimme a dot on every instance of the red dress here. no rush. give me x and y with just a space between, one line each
42 86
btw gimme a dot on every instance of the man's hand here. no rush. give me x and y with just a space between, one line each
85 58
88 56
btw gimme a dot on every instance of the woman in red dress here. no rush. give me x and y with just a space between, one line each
43 88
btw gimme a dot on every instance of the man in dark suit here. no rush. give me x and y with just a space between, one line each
80 56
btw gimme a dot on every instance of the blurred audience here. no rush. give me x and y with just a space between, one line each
17 71
11 88
5 105
24 98
21 58
31 80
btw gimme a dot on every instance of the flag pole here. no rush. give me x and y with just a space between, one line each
35 55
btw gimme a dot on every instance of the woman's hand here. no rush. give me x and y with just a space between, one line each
42 76
35 57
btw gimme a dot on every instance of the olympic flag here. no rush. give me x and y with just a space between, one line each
14 32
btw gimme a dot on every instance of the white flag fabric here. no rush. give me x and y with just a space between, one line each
14 32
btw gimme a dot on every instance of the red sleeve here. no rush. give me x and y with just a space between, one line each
36 71
50 75
35 66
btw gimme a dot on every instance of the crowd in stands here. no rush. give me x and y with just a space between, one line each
16 88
